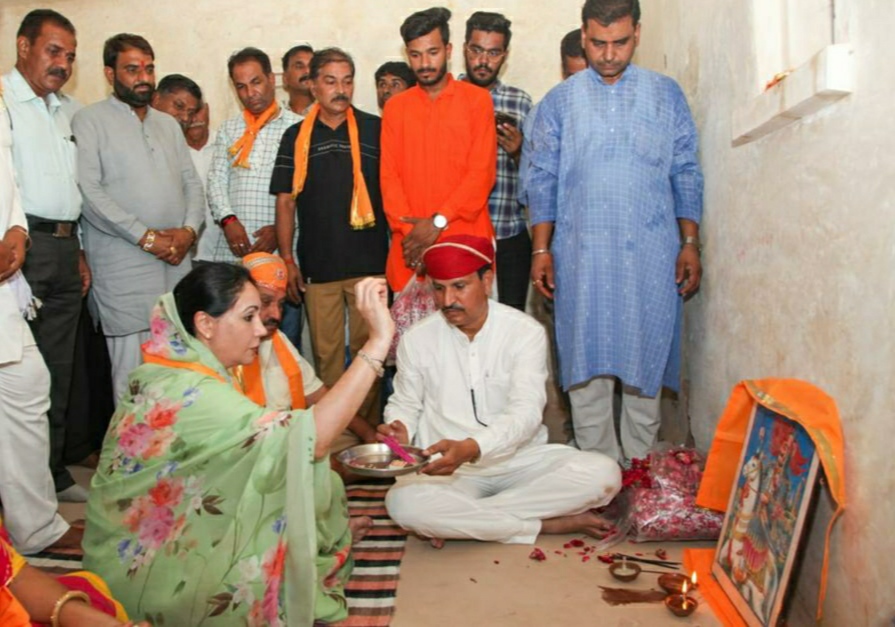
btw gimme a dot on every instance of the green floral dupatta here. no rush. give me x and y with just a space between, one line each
202 511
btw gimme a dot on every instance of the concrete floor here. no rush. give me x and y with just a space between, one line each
472 584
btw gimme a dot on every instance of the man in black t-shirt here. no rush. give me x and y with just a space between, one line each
327 173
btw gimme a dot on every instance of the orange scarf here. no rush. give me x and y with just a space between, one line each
243 146
361 215
149 358
253 379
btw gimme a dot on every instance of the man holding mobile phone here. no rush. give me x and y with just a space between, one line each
485 51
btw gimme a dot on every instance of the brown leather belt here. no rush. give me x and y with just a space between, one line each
56 229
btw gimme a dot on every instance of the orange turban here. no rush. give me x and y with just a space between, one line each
267 270
457 256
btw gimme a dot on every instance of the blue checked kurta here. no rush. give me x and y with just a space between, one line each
506 213
614 167
245 192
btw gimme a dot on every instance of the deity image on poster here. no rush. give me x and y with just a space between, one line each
765 517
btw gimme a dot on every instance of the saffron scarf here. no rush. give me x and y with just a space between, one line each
242 148
361 214
253 379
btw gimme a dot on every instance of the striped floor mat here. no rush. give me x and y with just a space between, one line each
377 559
373 585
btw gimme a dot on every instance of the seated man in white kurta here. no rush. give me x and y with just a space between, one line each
471 386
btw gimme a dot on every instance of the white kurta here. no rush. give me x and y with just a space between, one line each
26 485
492 389
211 232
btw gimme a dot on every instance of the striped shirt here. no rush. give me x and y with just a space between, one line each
507 215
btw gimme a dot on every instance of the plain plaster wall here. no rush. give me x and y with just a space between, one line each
798 226
799 257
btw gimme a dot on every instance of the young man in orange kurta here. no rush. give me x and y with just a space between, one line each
439 151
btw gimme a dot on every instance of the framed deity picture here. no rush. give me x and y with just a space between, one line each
761 532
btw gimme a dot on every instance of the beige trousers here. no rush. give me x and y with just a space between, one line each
328 305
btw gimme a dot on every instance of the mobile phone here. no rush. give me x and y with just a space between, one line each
505 118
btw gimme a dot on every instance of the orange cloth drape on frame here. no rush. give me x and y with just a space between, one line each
802 403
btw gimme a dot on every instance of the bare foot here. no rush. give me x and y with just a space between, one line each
437 543
589 523
359 526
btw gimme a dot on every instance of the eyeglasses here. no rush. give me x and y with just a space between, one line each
493 53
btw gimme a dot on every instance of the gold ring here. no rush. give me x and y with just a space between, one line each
172 249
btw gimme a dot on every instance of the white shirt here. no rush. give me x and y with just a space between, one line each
210 232
276 385
503 368
44 151
14 332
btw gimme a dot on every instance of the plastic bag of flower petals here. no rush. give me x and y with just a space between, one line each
415 302
660 498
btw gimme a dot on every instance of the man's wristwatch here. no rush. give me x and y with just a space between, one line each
439 221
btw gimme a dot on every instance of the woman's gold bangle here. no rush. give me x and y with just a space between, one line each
71 595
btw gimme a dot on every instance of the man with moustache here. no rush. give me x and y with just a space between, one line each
296 82
143 202
485 50
392 78
178 96
44 156
181 97
244 154
470 387
239 180
439 151
327 173
201 142
281 378
26 485
615 193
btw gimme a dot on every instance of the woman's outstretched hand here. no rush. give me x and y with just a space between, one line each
372 302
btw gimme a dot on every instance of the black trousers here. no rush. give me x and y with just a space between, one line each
51 268
514 269
91 404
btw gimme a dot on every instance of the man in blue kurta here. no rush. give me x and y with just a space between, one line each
616 185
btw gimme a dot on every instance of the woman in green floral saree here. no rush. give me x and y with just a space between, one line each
204 509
